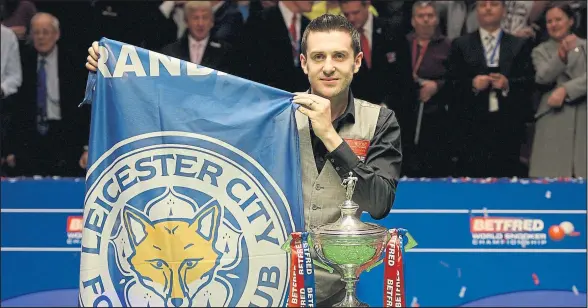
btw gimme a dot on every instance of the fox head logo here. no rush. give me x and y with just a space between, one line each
174 258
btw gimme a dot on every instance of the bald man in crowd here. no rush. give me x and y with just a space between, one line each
52 129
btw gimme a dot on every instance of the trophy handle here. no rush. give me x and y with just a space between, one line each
323 266
316 261
374 265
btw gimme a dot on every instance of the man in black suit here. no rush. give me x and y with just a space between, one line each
52 130
170 22
198 45
272 46
385 73
492 77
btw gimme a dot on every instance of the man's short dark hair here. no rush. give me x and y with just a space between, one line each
419 4
330 22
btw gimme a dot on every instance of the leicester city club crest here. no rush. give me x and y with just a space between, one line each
191 222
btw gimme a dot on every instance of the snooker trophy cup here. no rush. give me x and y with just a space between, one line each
349 245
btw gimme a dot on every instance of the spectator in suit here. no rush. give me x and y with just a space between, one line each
272 46
384 75
51 128
559 148
492 75
427 155
197 45
11 77
171 21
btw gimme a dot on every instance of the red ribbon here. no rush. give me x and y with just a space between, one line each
297 297
394 272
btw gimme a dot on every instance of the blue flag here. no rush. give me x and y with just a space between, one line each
193 185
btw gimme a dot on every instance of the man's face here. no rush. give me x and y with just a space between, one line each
303 6
356 12
490 12
45 36
199 22
329 62
424 21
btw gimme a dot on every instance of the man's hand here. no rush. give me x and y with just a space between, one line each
428 89
93 54
481 82
318 110
557 97
499 81
84 160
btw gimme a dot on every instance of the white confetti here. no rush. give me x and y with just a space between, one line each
414 302
462 292
575 290
548 194
444 264
459 273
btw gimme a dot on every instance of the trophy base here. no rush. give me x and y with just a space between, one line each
350 301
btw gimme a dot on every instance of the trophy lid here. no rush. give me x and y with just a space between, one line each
348 223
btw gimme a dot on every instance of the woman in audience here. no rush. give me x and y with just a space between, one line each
559 146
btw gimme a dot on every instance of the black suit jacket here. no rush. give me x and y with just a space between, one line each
75 120
228 25
389 78
268 52
217 54
228 22
467 60
470 109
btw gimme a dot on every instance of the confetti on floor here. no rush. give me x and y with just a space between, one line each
459 273
462 292
535 279
444 264
548 194
575 290
414 302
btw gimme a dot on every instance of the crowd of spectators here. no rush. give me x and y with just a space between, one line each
480 88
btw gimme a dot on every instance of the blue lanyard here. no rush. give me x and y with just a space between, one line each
495 47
